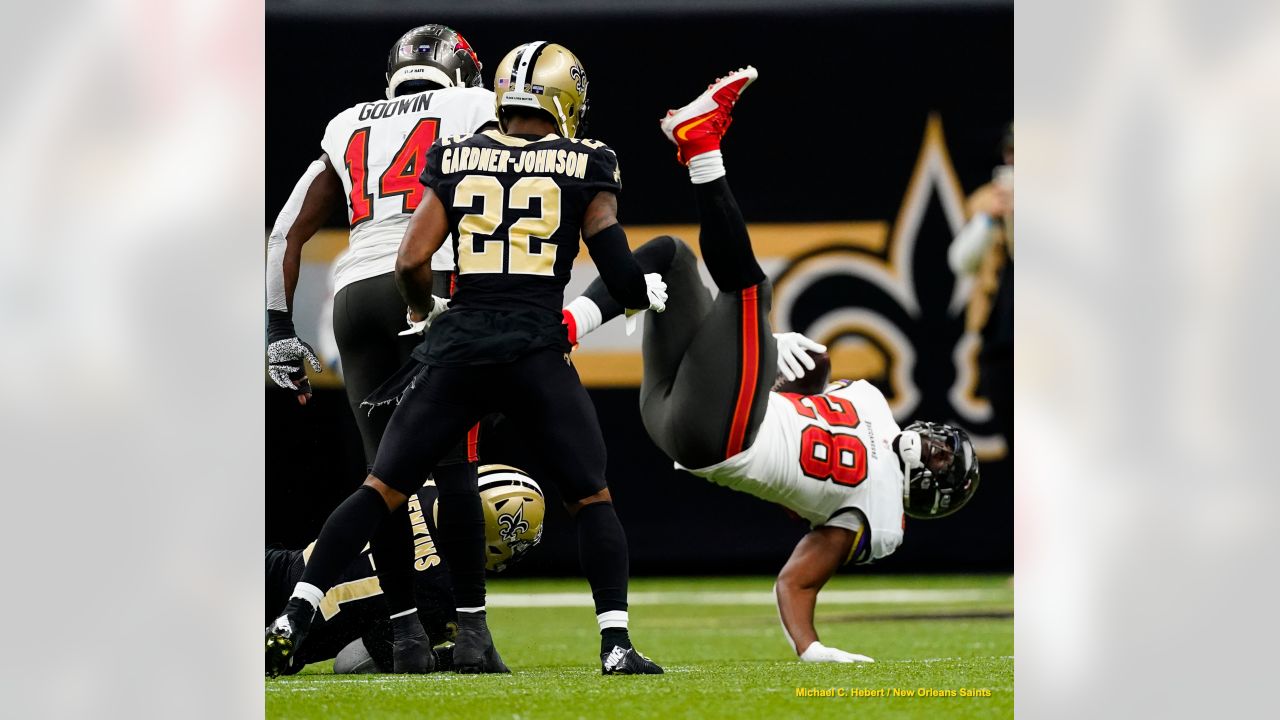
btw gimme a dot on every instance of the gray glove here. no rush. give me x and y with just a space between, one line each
285 354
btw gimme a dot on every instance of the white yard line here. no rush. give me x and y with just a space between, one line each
753 597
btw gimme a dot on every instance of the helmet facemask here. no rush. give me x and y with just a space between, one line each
941 469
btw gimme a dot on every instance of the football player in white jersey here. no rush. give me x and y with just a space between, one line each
835 456
372 156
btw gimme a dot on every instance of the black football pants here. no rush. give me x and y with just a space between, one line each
368 316
708 366
541 392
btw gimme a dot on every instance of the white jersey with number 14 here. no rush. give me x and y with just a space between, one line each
378 149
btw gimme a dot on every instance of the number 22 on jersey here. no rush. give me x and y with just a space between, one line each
517 252
400 177
824 455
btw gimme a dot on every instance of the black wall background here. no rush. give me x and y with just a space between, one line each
831 131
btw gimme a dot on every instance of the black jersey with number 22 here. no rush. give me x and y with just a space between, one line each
515 206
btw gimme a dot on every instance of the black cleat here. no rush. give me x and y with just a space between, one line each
473 650
627 661
412 655
285 635
411 648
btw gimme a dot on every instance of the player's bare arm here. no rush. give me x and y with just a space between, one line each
323 199
316 195
427 231
815 559
601 213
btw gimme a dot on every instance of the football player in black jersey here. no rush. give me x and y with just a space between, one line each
517 201
353 626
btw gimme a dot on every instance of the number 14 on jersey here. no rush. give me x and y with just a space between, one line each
401 176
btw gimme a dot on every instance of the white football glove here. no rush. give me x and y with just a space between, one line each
793 354
817 652
657 292
656 289
438 305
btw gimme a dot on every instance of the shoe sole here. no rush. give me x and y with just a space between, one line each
478 670
705 103
659 671
279 650
487 666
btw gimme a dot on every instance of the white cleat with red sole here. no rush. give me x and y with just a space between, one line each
698 127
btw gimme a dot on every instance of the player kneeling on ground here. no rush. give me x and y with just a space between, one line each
352 625
833 455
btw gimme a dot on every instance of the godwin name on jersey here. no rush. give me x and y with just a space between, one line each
828 458
379 149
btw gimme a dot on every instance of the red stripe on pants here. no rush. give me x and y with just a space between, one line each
473 441
750 370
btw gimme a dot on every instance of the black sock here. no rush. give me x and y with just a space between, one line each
473 619
461 532
344 534
392 548
726 246
408 627
654 256
602 549
614 637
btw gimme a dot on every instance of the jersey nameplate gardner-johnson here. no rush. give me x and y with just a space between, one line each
503 160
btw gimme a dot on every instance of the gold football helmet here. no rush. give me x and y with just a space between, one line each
513 512
543 76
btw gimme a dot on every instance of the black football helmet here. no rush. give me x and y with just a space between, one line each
432 54
942 469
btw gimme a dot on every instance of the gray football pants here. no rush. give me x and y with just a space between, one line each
708 365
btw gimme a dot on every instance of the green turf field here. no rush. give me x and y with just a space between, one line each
723 651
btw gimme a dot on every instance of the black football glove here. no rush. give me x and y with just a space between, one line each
285 353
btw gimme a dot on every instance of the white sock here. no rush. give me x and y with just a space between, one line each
612 619
586 315
308 592
470 609
706 167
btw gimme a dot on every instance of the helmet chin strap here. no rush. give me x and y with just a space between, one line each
564 121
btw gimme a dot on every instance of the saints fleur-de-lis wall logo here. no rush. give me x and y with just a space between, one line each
881 296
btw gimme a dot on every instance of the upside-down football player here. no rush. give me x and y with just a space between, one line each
836 457
518 202
352 625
